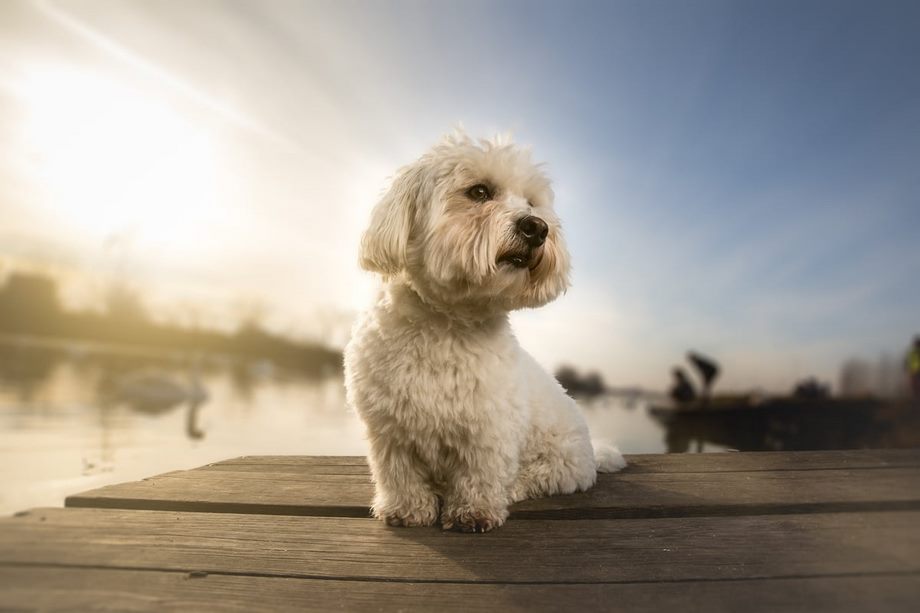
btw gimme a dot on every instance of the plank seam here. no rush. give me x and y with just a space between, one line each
362 579
766 470
143 504
650 512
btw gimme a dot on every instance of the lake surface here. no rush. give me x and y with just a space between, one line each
69 420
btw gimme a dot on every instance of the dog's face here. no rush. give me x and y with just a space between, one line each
473 224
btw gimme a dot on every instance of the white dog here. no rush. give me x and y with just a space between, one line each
461 421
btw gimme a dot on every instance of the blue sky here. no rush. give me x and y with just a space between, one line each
736 177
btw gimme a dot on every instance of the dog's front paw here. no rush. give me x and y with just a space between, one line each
409 520
472 521
422 511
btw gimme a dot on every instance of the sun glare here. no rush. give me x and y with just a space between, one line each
108 159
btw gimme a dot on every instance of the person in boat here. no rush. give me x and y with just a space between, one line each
682 391
708 369
912 362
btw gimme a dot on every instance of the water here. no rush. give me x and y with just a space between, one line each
67 425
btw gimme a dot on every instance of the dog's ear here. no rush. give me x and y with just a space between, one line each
384 244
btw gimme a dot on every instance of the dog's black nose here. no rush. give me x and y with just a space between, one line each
533 229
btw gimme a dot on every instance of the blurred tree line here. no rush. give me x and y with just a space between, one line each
590 384
30 305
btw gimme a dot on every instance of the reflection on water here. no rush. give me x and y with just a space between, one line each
79 416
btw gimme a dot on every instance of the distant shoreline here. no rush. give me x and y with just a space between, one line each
81 346
30 311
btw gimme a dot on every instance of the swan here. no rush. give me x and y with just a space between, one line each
155 390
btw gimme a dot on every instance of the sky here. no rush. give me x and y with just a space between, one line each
735 177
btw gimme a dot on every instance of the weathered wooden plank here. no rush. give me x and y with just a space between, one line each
232 492
655 463
563 551
622 495
45 588
734 493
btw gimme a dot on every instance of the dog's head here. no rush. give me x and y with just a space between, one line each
471 223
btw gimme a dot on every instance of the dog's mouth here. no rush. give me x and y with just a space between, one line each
529 259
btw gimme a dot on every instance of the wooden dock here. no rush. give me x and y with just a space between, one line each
803 531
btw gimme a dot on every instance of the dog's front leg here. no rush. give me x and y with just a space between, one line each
402 493
477 499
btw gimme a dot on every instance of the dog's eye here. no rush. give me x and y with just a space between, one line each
479 193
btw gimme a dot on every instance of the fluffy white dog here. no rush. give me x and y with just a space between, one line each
461 421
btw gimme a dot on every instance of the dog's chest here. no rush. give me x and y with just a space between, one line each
457 366
437 381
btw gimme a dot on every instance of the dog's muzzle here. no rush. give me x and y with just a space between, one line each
532 232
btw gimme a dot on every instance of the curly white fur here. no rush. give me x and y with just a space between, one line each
461 421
